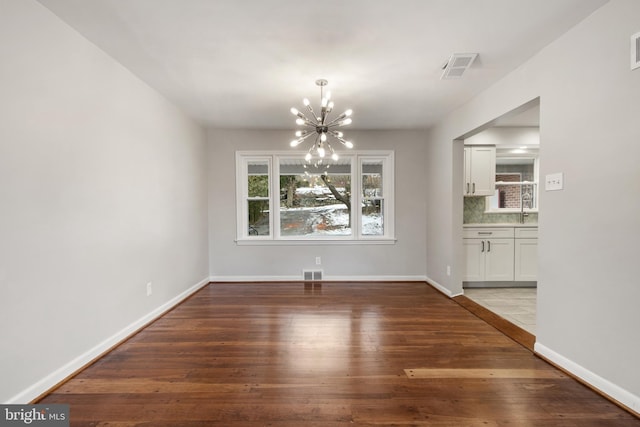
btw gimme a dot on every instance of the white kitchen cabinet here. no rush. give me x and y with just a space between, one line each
474 260
499 260
526 254
489 254
479 170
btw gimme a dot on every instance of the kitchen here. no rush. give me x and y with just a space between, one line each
500 218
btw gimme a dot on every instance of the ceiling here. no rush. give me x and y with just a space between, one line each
245 63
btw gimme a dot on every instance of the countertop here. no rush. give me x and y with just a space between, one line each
511 224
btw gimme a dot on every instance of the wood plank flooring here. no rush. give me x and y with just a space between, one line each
514 332
330 354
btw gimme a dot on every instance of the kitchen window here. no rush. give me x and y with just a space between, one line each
281 198
516 185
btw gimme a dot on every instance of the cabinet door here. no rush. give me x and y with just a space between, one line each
474 260
466 182
483 171
526 262
499 260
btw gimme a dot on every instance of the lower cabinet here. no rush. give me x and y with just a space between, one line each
499 260
500 254
526 260
474 257
489 254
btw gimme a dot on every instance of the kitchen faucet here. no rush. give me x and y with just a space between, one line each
525 198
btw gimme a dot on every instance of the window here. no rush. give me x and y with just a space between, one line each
255 195
281 197
516 185
315 200
372 196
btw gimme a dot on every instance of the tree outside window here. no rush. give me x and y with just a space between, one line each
344 199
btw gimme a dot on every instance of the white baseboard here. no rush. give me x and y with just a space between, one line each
326 278
615 392
82 360
441 288
255 278
376 278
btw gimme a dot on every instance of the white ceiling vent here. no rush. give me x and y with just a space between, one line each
457 65
635 51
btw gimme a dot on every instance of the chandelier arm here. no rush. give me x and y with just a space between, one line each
335 121
333 124
329 147
303 137
309 123
342 141
310 108
302 116
323 115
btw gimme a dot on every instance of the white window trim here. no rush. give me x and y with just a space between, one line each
388 192
242 193
243 158
536 173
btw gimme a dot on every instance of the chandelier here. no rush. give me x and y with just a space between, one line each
321 127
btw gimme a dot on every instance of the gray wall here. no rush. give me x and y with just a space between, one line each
102 189
404 259
588 289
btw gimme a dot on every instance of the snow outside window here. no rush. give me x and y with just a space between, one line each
372 172
283 198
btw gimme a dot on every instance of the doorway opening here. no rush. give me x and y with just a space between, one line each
500 226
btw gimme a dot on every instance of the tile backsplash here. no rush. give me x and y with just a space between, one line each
474 214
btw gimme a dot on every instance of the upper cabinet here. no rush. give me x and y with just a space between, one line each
479 170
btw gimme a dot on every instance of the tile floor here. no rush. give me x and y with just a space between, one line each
517 305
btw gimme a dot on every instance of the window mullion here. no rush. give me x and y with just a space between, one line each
275 195
355 189
389 195
357 199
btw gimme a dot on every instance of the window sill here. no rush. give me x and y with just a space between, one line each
317 242
510 211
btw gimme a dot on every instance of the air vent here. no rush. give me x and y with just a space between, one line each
312 275
635 51
457 65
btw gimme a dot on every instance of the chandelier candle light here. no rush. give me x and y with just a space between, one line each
321 126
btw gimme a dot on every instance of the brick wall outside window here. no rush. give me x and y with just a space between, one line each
509 194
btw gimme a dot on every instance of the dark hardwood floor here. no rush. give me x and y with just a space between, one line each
330 354
514 332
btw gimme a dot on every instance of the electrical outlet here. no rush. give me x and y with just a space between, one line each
149 289
448 270
318 260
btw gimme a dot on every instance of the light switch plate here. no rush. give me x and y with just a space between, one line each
554 181
635 51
